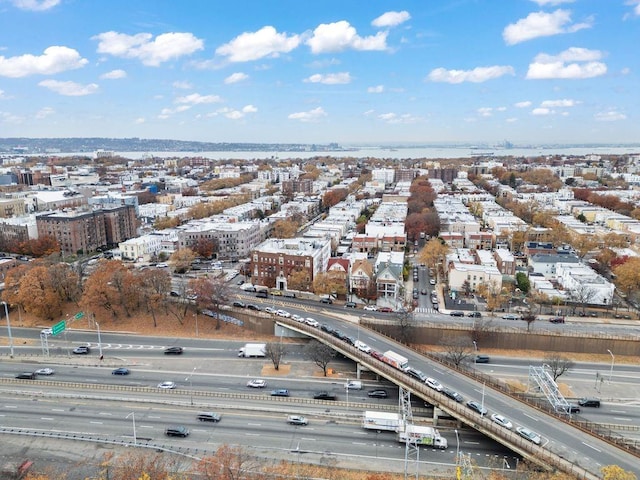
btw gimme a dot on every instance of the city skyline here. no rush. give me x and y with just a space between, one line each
531 71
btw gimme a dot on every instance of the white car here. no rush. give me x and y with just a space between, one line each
45 371
167 385
297 318
46 331
256 383
283 313
270 310
529 435
433 383
502 421
311 322
363 347
370 308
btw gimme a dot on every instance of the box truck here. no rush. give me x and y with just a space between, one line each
380 421
252 350
421 435
395 360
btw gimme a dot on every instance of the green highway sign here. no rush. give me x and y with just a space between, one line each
58 327
78 315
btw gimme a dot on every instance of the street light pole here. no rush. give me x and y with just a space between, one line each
6 313
613 359
99 340
475 347
191 384
133 417
457 448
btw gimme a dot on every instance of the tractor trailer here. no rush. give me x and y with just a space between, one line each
380 421
421 435
252 350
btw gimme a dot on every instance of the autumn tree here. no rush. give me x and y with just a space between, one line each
334 196
275 351
417 223
166 222
229 463
320 354
205 247
181 259
211 294
100 293
628 275
285 229
433 252
155 284
329 283
614 472
299 280
37 294
493 295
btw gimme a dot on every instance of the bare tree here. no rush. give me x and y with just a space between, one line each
583 294
404 319
457 349
211 294
482 328
320 354
275 352
529 317
558 364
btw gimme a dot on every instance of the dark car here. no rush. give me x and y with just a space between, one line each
474 315
453 395
573 408
350 305
326 328
417 374
482 358
120 371
177 432
26 376
208 417
350 340
457 313
375 354
557 320
476 407
379 393
326 300
251 306
173 351
324 396
281 392
239 304
589 402
81 350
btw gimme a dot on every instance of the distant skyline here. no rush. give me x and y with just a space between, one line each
295 71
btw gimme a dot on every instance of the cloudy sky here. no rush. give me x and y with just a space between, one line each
347 71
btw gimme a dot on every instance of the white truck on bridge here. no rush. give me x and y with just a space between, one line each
387 421
252 350
421 435
395 360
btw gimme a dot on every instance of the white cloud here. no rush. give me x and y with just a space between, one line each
610 116
485 111
249 109
44 112
266 42
69 89
330 78
553 3
310 116
139 120
523 104
6 117
2 94
197 99
35 5
541 111
391 19
54 59
376 89
542 24
339 36
585 65
559 103
235 78
636 6
394 118
142 46
237 114
182 85
114 75
477 75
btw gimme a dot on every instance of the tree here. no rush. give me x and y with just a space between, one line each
558 364
614 472
211 294
299 280
181 259
583 294
205 247
328 283
481 329
433 252
628 275
493 295
529 317
522 280
285 229
229 463
334 196
37 295
100 292
275 351
320 354
155 285
405 324
457 349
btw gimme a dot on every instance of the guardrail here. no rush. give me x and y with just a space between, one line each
538 454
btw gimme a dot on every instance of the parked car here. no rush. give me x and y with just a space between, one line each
251 306
324 396
510 316
281 392
297 420
457 313
502 421
474 315
557 320
452 394
350 305
239 304
270 310
120 371
326 300
589 402
177 431
475 406
173 351
385 309
370 308
432 281
208 417
378 393
45 371
82 350
529 435
167 385
256 383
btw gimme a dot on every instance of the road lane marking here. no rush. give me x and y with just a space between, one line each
618 411
252 434
308 439
105 413
254 424
58 410
532 418
359 443
154 416
591 446
46 418
145 426
472 443
97 423
623 419
10 406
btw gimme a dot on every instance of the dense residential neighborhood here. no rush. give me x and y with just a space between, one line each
493 231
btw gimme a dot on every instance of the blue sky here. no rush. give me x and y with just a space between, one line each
348 71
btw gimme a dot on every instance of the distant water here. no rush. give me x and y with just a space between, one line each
388 153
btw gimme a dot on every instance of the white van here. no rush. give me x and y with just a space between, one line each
353 385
